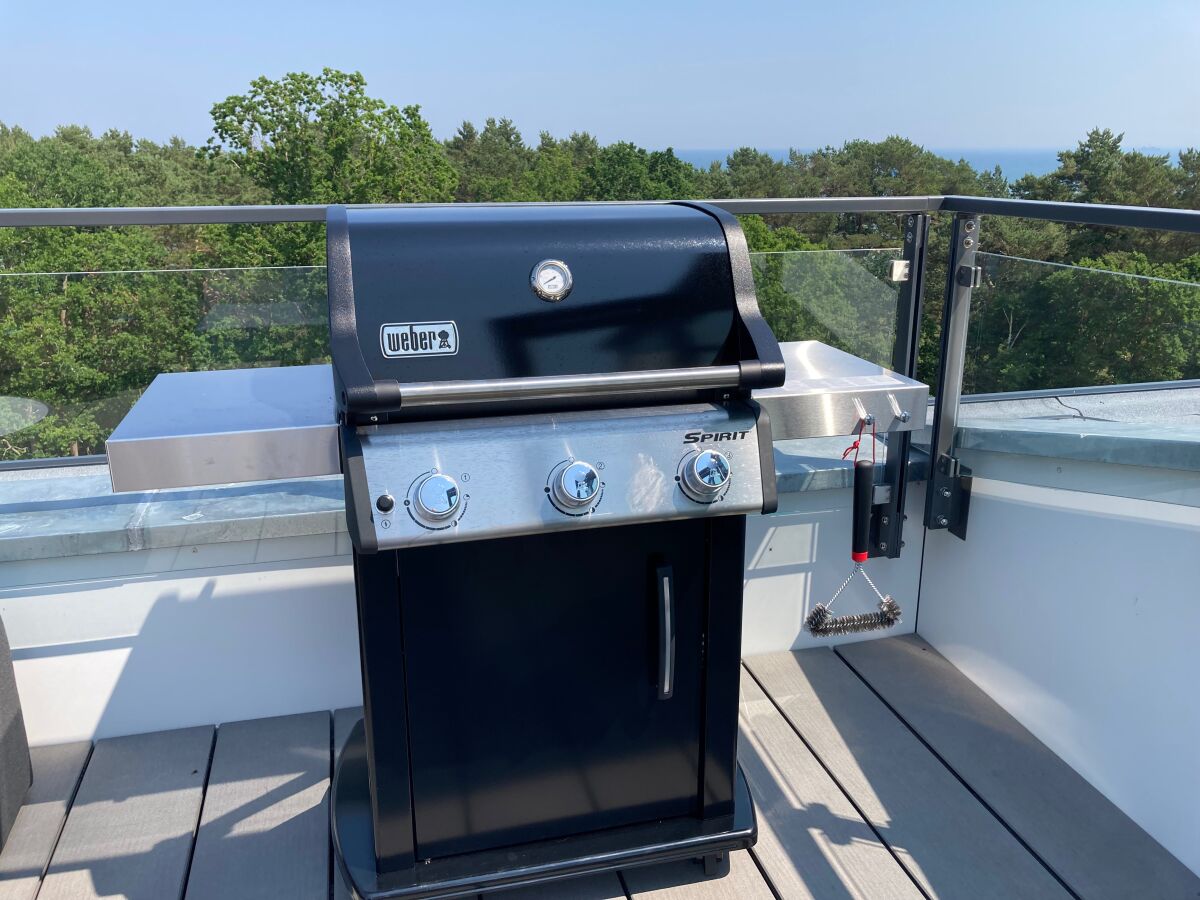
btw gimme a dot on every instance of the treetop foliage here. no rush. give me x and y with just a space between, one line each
85 344
322 139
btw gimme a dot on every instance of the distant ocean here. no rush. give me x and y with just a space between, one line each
1013 163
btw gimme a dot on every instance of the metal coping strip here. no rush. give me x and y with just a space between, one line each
1037 394
53 462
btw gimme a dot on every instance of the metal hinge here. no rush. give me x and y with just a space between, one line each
950 485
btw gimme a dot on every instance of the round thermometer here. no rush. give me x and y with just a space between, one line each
551 280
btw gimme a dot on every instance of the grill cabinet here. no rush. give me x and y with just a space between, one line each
547 499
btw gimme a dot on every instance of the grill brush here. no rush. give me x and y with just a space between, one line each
821 622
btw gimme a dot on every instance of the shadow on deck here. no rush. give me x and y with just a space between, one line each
878 770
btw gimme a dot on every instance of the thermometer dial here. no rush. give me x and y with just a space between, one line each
551 280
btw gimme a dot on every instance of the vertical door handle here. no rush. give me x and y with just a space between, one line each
665 579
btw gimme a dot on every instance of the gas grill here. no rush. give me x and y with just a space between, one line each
546 488
552 422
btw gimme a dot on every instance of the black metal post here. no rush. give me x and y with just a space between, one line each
887 520
949 493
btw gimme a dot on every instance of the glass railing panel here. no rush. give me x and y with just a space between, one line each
840 297
1077 366
79 348
1042 326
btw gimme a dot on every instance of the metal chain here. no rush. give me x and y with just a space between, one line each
858 567
849 578
871 583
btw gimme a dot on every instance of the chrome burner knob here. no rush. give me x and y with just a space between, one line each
705 474
435 497
574 485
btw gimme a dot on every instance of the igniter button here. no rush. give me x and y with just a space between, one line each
386 503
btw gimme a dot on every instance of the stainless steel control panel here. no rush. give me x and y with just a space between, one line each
488 478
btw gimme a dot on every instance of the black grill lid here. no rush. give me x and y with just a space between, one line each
422 297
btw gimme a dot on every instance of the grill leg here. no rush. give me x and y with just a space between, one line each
716 864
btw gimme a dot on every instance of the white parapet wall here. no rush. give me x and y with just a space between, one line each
119 643
1078 613
123 643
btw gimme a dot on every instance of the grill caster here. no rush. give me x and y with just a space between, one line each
716 865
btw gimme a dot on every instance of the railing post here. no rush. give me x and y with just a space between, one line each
949 492
887 519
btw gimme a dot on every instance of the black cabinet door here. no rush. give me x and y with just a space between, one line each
534 669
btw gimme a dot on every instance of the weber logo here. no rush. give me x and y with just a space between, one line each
418 339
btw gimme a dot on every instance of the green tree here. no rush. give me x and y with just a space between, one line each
555 175
85 342
624 171
754 174
1099 170
492 163
322 139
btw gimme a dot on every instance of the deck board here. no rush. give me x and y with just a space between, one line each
590 887
686 881
264 832
56 773
1094 847
343 720
129 832
869 811
949 843
812 843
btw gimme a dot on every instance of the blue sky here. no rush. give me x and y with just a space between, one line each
704 74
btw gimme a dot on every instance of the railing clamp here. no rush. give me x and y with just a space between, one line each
970 276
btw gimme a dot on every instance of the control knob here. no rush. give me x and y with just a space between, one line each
705 473
435 497
574 485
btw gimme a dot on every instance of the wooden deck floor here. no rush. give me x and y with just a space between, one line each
879 771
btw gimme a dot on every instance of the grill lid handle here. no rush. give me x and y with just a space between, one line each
389 395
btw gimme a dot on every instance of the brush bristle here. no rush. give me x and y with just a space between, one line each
822 623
